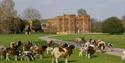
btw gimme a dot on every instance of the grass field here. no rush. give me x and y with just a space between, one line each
117 40
100 58
5 39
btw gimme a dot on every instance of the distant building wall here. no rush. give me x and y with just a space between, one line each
69 23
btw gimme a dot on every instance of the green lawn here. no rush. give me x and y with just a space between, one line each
100 58
5 39
117 40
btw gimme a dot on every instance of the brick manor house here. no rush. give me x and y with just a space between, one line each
69 23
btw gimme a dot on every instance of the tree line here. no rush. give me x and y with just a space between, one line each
10 22
112 25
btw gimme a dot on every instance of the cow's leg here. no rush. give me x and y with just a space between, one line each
7 56
30 33
86 53
1 57
111 49
21 59
102 49
41 56
66 60
53 60
122 57
47 51
28 58
80 53
15 57
89 56
32 57
56 60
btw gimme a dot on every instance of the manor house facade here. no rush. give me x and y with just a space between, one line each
69 23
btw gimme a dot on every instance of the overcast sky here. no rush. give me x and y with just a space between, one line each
99 9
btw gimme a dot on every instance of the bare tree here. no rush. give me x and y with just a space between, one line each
123 18
96 25
8 8
31 14
7 13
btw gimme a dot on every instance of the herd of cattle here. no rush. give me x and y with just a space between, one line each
30 51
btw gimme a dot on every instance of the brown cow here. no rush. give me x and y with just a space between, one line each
50 43
101 45
59 52
28 46
38 50
90 51
13 50
63 45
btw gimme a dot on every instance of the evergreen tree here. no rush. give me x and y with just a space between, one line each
112 25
